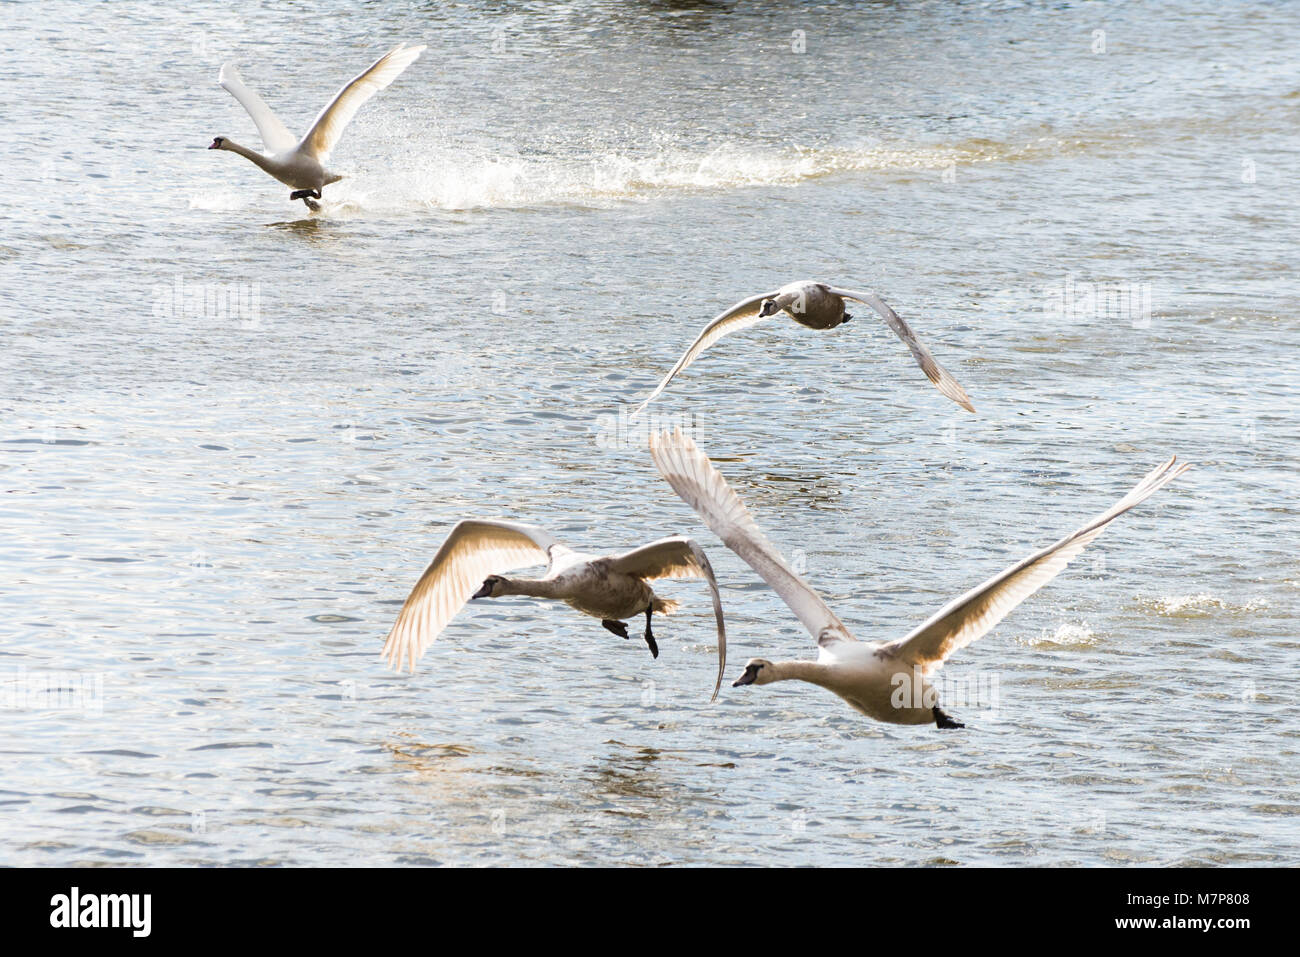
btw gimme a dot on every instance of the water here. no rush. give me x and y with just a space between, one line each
211 518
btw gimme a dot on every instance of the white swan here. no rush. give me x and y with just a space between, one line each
478 551
817 306
300 164
888 681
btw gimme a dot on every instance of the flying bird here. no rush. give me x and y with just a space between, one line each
300 164
888 681
817 306
472 562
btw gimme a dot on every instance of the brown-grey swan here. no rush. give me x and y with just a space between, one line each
472 563
817 306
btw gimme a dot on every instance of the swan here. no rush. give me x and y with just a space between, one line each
817 306
609 588
888 681
300 164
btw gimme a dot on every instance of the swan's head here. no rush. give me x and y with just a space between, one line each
219 143
492 588
767 308
758 671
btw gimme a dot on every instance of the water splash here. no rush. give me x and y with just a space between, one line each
480 176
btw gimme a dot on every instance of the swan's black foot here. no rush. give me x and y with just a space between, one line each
846 318
649 636
304 193
312 204
942 720
617 627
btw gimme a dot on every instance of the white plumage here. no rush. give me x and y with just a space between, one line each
869 675
300 164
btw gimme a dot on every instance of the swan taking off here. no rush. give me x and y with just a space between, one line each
888 681
817 306
300 164
472 561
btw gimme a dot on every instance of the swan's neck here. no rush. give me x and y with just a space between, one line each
532 587
811 671
254 155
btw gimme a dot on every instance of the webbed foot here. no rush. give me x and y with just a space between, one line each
942 720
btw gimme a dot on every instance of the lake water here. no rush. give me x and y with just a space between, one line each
212 512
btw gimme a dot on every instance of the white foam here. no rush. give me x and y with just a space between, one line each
477 177
1068 634
1201 604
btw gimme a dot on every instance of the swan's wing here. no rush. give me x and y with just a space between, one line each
677 557
740 316
275 138
977 612
936 373
701 486
327 129
474 550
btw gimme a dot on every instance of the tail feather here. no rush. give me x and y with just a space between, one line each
664 606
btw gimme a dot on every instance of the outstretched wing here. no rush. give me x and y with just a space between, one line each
740 316
329 125
678 557
474 550
701 486
275 138
936 373
978 612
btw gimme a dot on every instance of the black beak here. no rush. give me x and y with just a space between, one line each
483 592
766 309
748 678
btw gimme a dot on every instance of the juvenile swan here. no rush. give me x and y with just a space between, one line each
300 164
888 681
609 588
817 306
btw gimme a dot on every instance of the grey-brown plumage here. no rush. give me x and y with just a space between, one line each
472 563
817 306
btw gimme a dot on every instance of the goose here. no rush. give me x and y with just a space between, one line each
478 552
300 164
888 681
817 306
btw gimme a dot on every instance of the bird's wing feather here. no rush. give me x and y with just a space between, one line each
701 486
666 558
978 612
678 557
936 373
275 138
740 316
474 550
329 125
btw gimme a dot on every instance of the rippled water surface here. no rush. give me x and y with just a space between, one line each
211 517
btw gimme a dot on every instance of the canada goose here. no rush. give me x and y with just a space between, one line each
817 306
478 552
888 681
300 164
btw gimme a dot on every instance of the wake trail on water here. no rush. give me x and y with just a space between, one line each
475 177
